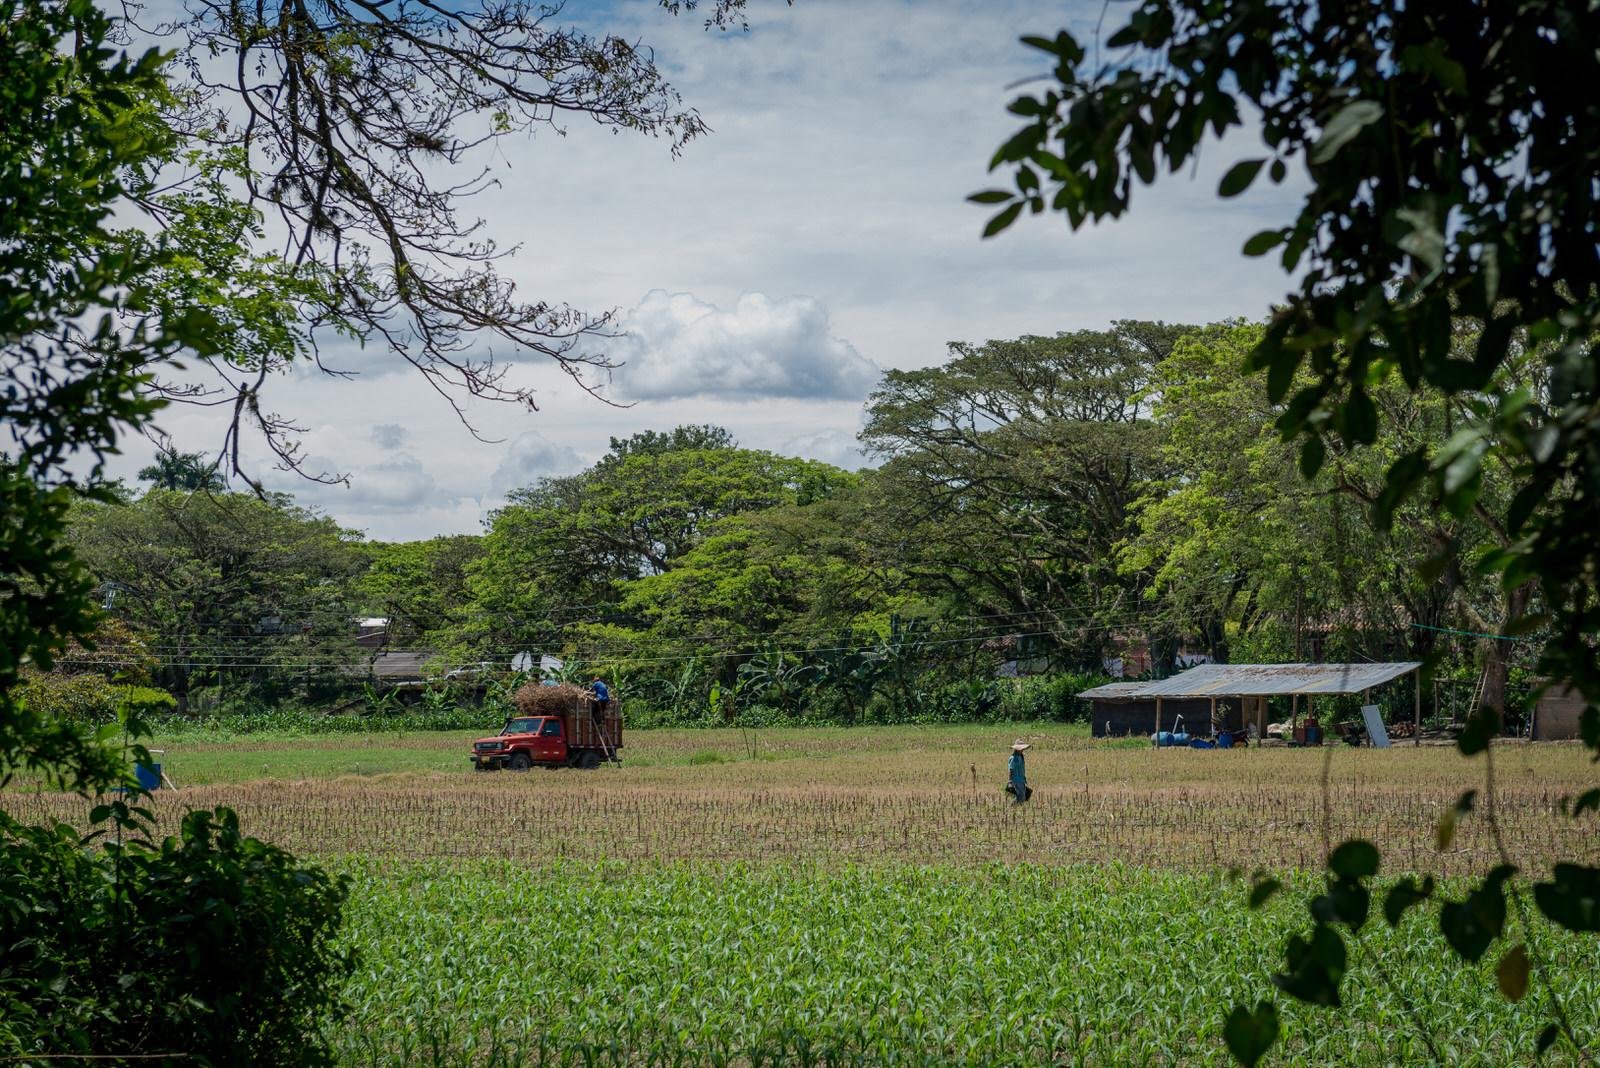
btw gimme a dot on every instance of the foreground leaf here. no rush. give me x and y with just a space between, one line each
1250 1034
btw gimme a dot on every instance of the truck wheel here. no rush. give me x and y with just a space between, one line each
521 762
589 761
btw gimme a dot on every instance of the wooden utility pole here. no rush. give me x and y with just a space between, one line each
1416 715
1298 619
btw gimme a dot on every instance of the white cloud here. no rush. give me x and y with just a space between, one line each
680 346
530 457
833 445
397 483
389 435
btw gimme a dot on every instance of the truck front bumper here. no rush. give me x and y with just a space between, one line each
490 761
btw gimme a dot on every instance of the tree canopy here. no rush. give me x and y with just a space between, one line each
1010 471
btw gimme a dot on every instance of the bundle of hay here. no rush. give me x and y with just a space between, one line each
537 699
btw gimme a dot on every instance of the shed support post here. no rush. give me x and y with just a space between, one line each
1416 715
1213 715
1157 739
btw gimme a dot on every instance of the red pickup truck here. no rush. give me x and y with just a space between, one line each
575 739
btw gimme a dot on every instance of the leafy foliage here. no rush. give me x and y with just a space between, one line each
212 946
66 131
1451 156
230 583
1010 471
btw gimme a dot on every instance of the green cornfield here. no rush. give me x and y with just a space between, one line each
491 963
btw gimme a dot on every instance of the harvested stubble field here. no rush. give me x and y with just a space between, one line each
885 797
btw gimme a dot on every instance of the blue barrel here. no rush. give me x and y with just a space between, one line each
149 775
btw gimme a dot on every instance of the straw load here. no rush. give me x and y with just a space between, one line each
537 699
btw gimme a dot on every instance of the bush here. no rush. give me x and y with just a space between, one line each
83 698
213 946
145 701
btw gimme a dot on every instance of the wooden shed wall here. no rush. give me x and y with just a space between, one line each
1557 714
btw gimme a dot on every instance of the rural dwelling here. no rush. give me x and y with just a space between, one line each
1555 717
372 632
1235 695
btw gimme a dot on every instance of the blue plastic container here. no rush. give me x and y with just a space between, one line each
149 775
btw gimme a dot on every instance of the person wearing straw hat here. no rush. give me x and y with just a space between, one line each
1019 774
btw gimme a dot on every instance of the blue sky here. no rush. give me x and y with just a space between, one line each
768 275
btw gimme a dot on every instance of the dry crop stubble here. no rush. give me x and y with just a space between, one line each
910 799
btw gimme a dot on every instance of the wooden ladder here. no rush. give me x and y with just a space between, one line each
600 732
1478 691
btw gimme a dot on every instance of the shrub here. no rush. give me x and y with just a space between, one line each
145 701
82 698
213 946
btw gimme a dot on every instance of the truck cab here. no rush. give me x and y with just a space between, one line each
523 742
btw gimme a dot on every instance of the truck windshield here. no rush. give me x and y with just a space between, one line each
521 726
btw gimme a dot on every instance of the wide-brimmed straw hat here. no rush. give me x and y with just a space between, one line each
1018 746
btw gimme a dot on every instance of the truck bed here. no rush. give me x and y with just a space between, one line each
583 731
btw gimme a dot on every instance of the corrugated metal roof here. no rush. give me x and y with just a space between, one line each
1116 689
1255 680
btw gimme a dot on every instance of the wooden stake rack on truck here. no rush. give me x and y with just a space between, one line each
557 730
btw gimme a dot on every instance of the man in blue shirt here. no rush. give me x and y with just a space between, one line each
1018 770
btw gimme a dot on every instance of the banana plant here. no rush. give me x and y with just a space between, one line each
773 674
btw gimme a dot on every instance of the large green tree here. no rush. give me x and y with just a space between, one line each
1238 535
1009 472
1451 152
236 588
564 549
422 587
794 573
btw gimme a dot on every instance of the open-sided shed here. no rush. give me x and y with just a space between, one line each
1238 692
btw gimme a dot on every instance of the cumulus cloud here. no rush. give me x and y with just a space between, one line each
530 457
832 445
400 482
389 435
679 346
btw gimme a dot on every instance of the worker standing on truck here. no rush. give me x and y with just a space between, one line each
601 696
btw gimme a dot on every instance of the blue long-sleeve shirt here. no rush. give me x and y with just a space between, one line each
1018 773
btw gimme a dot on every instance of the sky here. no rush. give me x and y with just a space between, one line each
767 277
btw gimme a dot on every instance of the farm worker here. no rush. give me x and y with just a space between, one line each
1018 769
601 695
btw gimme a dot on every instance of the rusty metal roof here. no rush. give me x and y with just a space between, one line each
1116 689
1258 680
